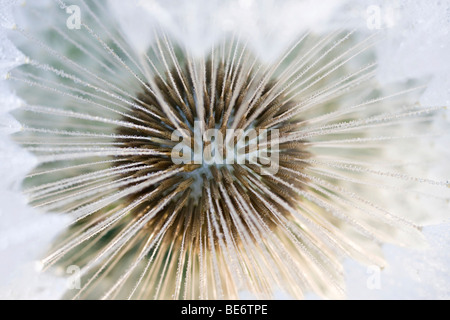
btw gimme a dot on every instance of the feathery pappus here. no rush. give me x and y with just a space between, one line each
199 176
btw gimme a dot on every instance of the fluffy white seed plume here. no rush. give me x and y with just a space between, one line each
25 234
103 103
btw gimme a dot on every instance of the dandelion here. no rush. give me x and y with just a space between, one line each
315 180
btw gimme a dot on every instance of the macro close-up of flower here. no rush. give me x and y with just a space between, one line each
236 149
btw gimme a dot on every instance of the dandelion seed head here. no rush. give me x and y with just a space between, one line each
101 110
